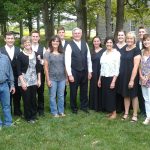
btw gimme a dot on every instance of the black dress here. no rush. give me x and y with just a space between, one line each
126 66
95 101
119 98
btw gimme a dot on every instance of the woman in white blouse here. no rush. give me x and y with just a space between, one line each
110 63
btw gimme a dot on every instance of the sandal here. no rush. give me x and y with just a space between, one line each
134 119
125 117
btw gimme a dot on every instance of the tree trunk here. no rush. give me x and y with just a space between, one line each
30 23
21 29
46 21
108 17
82 16
119 16
38 22
98 28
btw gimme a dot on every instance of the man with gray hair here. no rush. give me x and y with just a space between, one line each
79 70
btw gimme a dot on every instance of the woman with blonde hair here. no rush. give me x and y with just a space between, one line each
128 78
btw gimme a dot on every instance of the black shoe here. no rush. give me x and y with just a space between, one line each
85 110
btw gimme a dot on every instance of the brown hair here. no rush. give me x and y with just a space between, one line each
145 37
9 33
53 38
60 28
93 50
35 31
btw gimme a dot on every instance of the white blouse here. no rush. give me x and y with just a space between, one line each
110 63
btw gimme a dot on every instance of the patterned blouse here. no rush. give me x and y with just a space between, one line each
145 68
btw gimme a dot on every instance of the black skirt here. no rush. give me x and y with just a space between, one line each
108 95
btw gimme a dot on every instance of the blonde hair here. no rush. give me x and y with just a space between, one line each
131 34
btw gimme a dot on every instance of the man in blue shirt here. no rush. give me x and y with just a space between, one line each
6 86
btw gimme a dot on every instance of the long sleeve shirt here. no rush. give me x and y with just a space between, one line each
6 73
68 53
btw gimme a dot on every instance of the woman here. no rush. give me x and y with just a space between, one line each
110 63
120 45
95 99
128 79
28 67
145 75
55 75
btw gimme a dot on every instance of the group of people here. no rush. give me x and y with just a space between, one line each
116 73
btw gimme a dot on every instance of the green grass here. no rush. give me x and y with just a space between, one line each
75 132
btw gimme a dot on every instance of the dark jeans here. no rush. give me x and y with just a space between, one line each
141 101
40 92
29 100
81 79
16 98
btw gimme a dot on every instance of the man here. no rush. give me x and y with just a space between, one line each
139 44
79 70
40 50
61 34
6 86
12 52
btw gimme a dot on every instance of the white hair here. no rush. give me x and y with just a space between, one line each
76 28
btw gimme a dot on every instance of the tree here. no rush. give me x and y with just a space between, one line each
81 11
108 17
119 16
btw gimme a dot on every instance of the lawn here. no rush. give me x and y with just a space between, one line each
75 132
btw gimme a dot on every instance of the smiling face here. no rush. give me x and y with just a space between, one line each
130 39
27 45
55 43
96 42
10 40
109 44
142 31
146 42
35 38
77 34
61 34
121 36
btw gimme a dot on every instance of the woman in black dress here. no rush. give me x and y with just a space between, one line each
95 100
120 45
128 79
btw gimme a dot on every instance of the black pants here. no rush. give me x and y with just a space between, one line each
16 97
141 101
81 79
29 100
40 92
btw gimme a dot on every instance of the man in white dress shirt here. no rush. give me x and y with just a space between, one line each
12 52
79 70
40 50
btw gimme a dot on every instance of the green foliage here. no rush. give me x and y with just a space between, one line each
75 132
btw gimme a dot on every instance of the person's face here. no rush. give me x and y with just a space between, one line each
130 40
61 34
35 37
55 43
27 45
146 43
109 44
96 42
141 33
121 37
10 40
77 34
